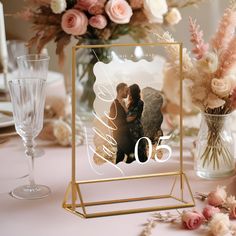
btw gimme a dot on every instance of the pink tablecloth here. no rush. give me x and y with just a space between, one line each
46 216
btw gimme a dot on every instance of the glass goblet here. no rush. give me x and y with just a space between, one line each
28 98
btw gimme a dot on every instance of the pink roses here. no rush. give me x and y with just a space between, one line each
217 197
85 4
74 22
98 21
209 211
119 11
192 219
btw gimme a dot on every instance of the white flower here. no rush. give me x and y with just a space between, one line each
58 6
173 16
62 132
213 101
208 63
230 200
221 191
221 87
220 224
155 9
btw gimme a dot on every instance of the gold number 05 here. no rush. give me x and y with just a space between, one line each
166 147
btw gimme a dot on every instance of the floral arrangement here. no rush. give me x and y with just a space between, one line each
96 22
104 20
210 72
210 78
215 216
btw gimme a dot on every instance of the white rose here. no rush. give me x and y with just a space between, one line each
155 9
220 224
208 63
58 6
214 102
173 17
221 87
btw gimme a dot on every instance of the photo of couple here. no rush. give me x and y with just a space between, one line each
125 113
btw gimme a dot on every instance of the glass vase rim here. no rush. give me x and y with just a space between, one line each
214 115
34 57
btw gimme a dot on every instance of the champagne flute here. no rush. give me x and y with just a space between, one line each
28 97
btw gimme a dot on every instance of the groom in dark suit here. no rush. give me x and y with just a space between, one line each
122 133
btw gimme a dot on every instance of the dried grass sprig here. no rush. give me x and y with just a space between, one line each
200 48
171 50
165 217
227 59
173 55
225 31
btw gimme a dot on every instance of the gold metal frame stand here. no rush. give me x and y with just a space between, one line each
73 200
80 208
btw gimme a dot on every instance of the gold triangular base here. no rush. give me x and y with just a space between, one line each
180 191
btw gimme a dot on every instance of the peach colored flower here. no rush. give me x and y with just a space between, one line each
208 63
97 8
136 4
192 219
220 224
74 22
84 4
218 197
209 211
173 17
213 101
98 21
119 11
230 200
221 87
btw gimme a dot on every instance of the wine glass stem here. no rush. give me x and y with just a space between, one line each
29 151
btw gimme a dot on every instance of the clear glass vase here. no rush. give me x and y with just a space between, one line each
215 147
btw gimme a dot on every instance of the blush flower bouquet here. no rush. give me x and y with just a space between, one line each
211 81
103 20
97 22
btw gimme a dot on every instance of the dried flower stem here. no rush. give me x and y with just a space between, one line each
225 31
215 151
228 59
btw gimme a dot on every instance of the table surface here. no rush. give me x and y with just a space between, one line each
47 217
